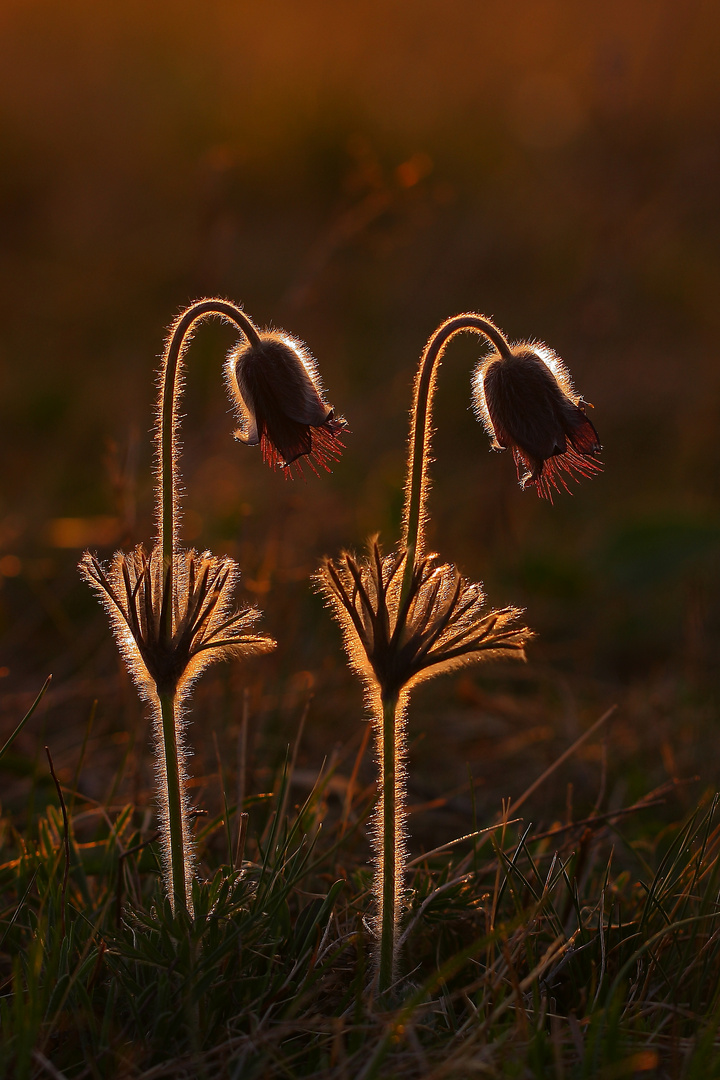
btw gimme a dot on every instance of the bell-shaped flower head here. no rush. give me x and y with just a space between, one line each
527 402
276 388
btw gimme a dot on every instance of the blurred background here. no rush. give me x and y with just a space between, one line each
356 173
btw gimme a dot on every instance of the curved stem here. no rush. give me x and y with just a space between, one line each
177 840
391 849
421 430
170 389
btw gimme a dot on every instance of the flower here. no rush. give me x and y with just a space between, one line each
204 626
277 391
527 402
440 625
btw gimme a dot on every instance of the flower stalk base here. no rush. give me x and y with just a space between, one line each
174 813
391 846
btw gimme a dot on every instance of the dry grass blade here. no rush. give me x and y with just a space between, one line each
28 715
562 758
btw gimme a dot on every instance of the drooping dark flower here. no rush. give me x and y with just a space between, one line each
205 626
528 405
278 395
441 624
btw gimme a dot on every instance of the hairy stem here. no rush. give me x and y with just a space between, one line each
177 840
177 843
170 389
421 429
391 847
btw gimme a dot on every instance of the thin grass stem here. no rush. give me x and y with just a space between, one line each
26 717
66 843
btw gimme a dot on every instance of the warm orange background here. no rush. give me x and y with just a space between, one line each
357 172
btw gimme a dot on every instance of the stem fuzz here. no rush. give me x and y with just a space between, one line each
177 846
391 846
421 430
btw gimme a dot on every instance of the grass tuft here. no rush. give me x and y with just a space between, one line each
578 950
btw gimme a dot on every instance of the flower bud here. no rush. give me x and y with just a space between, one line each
277 392
527 403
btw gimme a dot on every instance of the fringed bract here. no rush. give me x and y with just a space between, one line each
438 626
205 628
